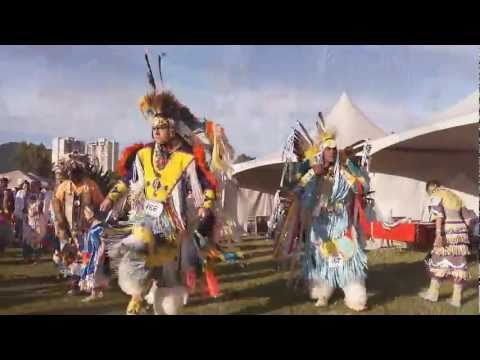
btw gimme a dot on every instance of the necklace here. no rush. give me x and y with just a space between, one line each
156 182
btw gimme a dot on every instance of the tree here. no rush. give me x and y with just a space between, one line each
34 158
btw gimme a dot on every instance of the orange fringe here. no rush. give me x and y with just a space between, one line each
210 130
199 155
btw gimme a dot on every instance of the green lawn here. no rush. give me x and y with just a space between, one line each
395 277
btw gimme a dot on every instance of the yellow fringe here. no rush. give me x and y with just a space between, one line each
461 229
453 240
457 274
219 152
454 250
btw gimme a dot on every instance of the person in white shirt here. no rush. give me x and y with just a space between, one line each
34 223
24 187
47 203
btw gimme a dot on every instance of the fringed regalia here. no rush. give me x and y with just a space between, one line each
163 186
34 225
94 275
70 199
449 260
327 218
333 252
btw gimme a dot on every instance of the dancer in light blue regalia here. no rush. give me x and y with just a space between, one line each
328 213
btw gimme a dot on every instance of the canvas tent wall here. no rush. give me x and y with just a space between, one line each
240 203
261 175
16 176
402 164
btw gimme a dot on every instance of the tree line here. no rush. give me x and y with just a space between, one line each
34 158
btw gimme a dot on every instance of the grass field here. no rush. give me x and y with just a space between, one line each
394 279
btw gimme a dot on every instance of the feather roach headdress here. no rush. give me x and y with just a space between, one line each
74 161
306 147
162 109
326 136
82 163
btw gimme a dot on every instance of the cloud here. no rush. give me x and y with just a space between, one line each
459 50
259 122
256 92
389 116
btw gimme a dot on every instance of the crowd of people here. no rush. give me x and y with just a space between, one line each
27 218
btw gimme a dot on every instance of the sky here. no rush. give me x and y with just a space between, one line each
256 92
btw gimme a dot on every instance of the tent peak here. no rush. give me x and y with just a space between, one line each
465 106
345 97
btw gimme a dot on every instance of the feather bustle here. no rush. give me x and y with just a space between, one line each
199 155
126 158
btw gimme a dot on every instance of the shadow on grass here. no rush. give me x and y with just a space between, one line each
248 276
57 302
389 281
251 267
42 294
256 247
470 297
282 297
252 254
90 309
28 281
247 236
19 262
472 284
11 262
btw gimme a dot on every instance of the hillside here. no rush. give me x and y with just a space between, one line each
8 153
25 157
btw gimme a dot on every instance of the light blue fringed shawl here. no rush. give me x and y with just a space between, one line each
93 246
329 226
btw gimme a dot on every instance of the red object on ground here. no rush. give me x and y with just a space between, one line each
420 235
403 232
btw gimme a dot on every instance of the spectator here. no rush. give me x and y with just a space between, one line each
19 211
6 213
34 223
51 241
6 198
